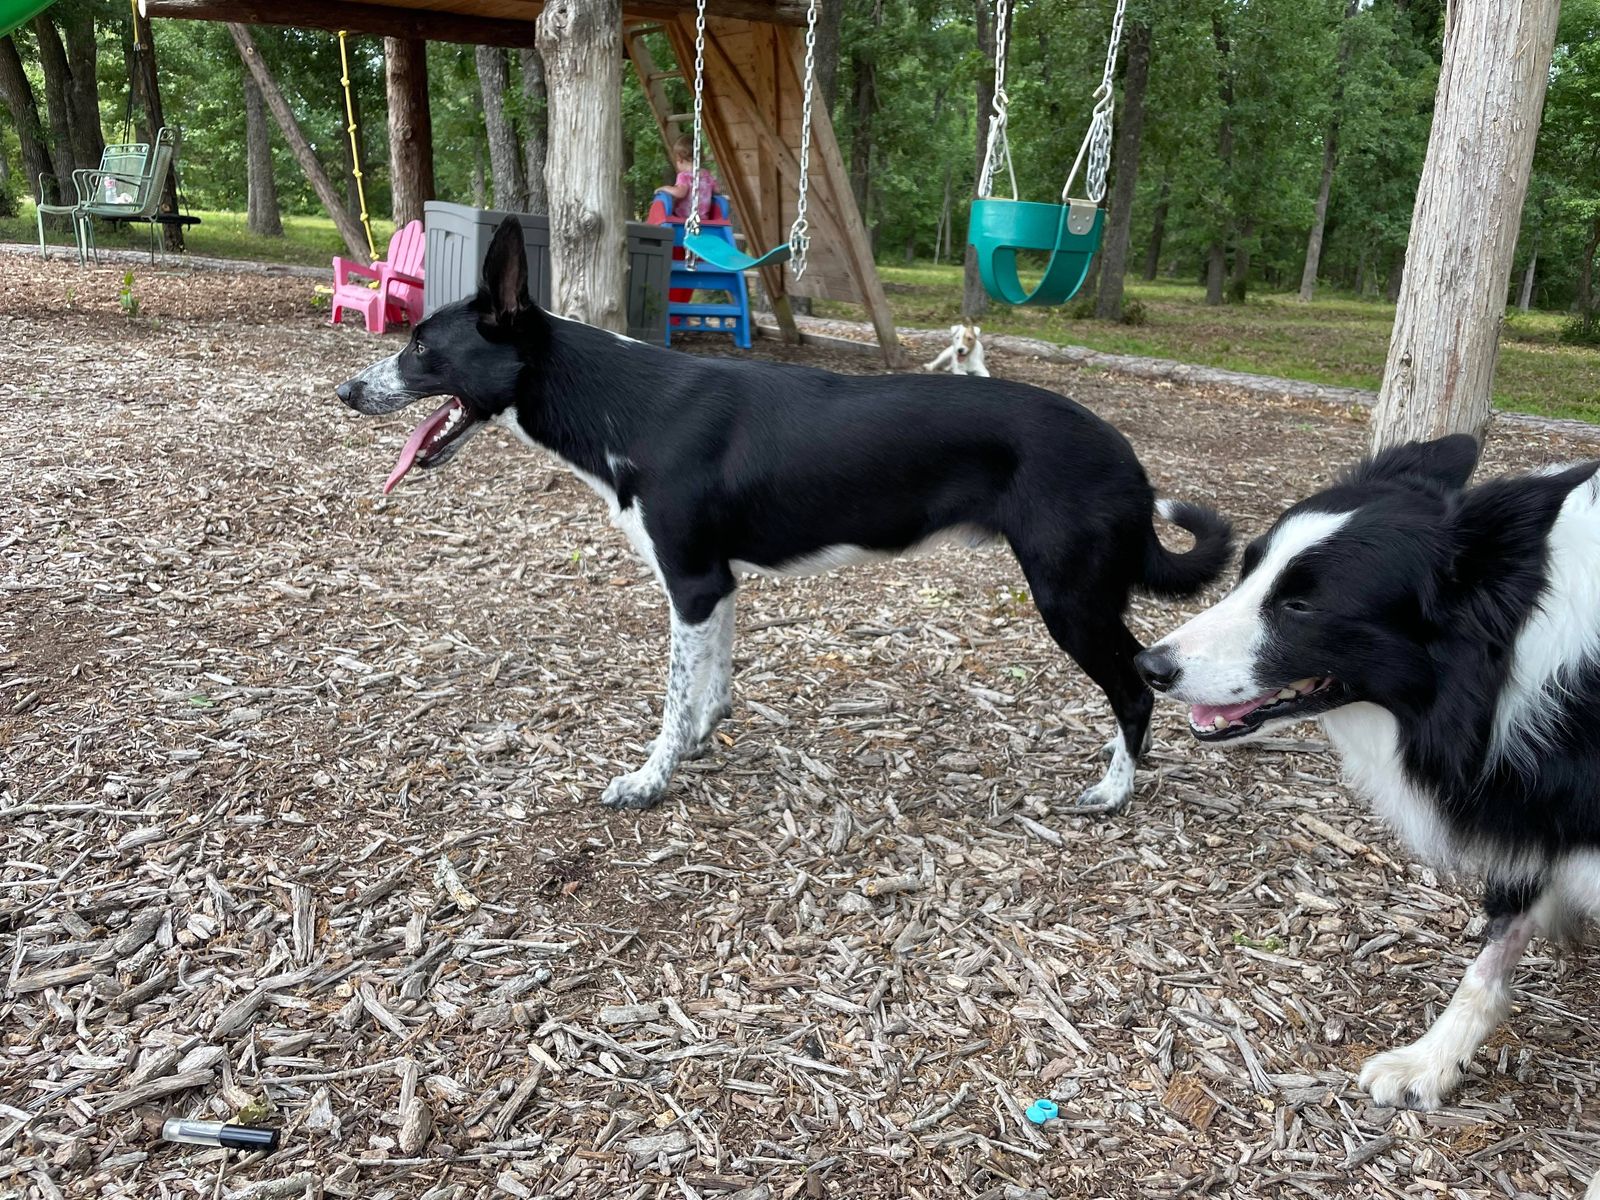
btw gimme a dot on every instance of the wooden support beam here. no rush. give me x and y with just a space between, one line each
437 24
644 66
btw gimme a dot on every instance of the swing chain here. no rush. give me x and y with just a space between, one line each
691 223
1096 145
999 146
800 231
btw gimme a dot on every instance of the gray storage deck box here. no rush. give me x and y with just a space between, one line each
458 240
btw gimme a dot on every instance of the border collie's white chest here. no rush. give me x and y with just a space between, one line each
1367 739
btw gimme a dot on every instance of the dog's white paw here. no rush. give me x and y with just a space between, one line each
1413 1076
641 789
1104 797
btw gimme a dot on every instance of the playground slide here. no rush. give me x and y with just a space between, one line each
18 12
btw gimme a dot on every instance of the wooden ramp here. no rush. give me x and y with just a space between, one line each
753 113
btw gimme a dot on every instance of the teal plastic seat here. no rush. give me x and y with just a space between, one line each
1068 233
720 252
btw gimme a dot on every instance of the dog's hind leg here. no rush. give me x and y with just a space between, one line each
697 621
1423 1074
715 699
1084 620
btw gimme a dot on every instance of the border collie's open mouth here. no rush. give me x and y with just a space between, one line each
1296 701
434 441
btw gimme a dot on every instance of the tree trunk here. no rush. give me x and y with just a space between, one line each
505 155
1586 307
579 42
262 215
480 181
57 101
18 95
1330 156
1397 274
1361 272
1527 281
865 103
1217 261
349 228
1239 281
410 127
149 92
974 300
534 136
1158 231
1130 135
1440 372
1216 272
1319 216
83 57
830 18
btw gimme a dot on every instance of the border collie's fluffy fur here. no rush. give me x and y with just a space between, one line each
1449 642
964 354
714 467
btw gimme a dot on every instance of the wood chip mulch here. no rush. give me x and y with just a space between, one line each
298 800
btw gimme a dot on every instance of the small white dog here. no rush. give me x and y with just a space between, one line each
964 354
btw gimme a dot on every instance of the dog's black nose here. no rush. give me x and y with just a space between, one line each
1157 667
346 391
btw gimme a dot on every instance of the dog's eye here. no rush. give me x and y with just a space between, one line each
419 349
1300 607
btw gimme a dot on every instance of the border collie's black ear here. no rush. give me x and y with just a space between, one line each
1447 461
505 274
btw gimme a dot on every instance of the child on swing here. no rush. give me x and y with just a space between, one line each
683 160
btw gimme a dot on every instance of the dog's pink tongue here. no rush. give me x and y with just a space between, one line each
414 443
1204 715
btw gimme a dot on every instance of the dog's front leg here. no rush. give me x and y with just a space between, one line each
945 356
1423 1074
693 645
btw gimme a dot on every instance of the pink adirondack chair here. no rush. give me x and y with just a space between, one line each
398 296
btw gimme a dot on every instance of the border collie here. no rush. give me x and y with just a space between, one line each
716 467
964 354
1449 642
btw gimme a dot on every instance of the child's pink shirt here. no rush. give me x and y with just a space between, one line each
708 186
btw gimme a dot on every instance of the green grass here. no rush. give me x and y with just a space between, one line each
1338 339
307 240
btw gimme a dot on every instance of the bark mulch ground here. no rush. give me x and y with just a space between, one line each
299 816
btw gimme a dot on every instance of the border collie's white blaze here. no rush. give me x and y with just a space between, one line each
717 466
1449 642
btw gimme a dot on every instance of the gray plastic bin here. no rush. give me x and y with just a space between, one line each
458 240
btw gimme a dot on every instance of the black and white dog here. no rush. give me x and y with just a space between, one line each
1449 642
714 467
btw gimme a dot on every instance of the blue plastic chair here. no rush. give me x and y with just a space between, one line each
722 273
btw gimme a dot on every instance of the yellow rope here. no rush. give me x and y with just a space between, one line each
134 4
355 147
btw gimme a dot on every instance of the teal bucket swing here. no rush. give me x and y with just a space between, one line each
1068 232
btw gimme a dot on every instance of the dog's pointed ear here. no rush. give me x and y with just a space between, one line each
1447 462
505 275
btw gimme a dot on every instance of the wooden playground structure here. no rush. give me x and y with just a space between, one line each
754 51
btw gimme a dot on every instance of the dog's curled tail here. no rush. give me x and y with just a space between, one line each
1179 576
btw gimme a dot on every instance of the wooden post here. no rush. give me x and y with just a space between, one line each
405 62
580 42
150 92
1440 372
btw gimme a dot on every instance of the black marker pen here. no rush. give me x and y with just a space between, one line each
215 1133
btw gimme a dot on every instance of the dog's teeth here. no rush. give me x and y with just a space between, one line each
1287 694
1220 724
1303 685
